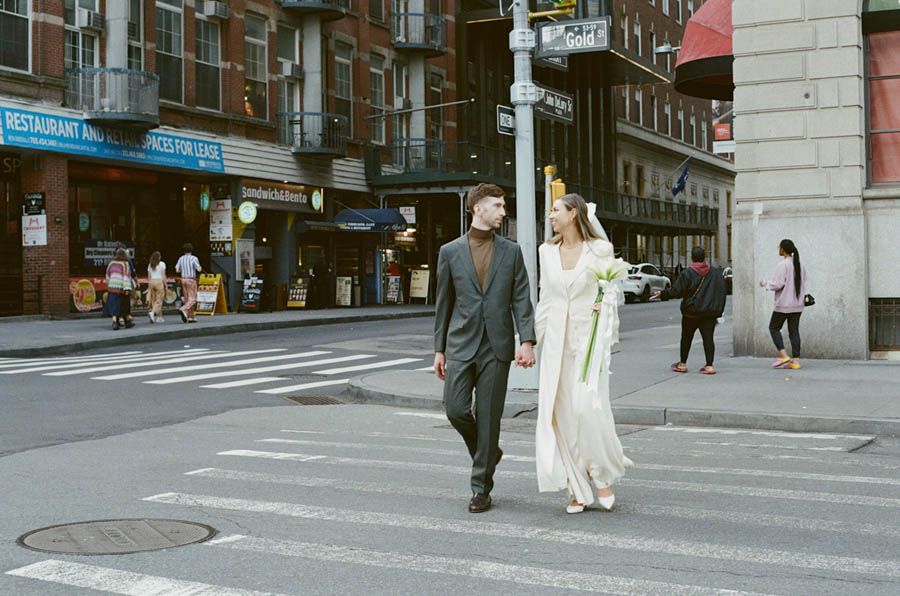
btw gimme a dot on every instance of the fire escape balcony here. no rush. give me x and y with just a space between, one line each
418 33
329 10
313 133
115 97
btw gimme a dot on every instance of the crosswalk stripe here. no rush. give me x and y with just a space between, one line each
773 474
262 369
765 433
302 386
489 570
368 446
385 364
603 540
706 487
224 364
422 415
218 354
13 362
106 579
738 517
378 435
243 383
123 361
430 368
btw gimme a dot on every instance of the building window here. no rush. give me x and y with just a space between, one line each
638 106
680 124
667 112
703 132
637 38
655 111
135 35
14 45
625 31
729 244
376 96
435 117
288 89
169 49
639 179
255 69
665 6
884 117
343 86
400 122
80 52
690 7
626 99
728 208
693 131
207 68
653 47
376 10
677 11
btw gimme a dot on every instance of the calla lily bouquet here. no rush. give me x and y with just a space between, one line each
617 269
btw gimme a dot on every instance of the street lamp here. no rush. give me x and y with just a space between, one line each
666 48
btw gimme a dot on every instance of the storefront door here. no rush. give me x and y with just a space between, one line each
10 248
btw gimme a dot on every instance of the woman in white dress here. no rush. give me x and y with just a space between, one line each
577 445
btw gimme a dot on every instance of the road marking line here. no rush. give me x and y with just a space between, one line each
470 568
124 361
105 579
369 446
224 364
602 540
243 383
421 415
428 368
764 433
12 362
552 501
767 446
385 364
302 386
455 439
134 362
262 369
773 474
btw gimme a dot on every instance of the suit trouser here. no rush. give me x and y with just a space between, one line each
488 377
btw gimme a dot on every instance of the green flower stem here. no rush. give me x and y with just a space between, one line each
593 339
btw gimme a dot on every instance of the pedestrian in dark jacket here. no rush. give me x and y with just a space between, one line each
702 292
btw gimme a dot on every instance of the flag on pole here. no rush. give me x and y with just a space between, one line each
682 181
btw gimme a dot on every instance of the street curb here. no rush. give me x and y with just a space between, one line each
360 392
194 331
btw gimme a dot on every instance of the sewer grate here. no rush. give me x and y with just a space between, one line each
115 536
313 400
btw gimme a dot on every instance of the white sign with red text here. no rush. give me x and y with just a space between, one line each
34 230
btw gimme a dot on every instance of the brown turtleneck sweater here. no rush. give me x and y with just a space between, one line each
481 245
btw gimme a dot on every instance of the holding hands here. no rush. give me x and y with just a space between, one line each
525 355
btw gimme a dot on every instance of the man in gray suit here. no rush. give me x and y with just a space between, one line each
482 286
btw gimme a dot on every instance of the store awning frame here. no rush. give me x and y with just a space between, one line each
705 62
361 220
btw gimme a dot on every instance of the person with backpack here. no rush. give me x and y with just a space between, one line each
701 288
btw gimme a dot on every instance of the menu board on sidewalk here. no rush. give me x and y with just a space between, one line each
211 295
343 295
394 294
251 296
418 285
297 293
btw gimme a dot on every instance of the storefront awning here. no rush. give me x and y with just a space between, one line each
704 66
371 220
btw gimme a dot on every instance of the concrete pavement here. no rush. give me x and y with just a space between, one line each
25 337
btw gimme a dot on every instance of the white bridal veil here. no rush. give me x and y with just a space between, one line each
592 217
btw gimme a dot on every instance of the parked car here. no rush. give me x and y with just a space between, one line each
644 279
727 273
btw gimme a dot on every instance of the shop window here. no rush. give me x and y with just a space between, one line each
255 68
169 49
881 24
135 35
288 88
343 82
376 97
207 68
14 44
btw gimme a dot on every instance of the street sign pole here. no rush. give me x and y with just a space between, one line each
524 94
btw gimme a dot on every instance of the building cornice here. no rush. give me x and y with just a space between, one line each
676 148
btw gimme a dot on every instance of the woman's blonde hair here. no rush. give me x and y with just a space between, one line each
154 259
585 229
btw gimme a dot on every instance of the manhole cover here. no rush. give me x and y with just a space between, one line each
115 536
313 400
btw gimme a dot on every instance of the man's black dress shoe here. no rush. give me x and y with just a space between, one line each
480 502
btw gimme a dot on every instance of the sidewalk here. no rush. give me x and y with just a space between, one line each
824 396
35 336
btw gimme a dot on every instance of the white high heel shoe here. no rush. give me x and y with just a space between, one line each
574 508
607 502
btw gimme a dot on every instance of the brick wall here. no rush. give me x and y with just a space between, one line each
45 269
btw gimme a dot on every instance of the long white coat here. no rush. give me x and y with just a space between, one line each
563 305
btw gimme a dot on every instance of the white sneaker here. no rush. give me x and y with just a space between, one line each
159 319
152 316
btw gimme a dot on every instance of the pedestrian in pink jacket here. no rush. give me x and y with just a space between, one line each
789 285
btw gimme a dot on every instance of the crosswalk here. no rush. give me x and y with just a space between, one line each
229 369
383 512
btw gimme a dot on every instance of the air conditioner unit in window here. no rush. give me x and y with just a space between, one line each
216 10
292 70
134 32
90 20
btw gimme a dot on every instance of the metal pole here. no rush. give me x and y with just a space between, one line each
549 172
524 95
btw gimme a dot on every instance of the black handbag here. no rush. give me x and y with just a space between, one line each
808 300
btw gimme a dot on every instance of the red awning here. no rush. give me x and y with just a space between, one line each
704 65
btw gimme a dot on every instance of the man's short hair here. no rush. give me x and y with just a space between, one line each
188 247
477 193
698 254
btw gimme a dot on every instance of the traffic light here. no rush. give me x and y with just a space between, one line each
557 189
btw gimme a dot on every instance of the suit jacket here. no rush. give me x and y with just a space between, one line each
463 311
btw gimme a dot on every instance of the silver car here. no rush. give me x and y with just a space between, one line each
644 280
